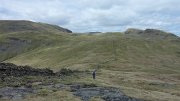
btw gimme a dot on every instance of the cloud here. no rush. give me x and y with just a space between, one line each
97 15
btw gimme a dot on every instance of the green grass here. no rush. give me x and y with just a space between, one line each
108 49
142 68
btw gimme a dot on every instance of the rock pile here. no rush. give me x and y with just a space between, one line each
9 69
64 71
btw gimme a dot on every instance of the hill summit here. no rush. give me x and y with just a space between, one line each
23 25
150 33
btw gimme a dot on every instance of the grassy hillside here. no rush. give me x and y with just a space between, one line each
23 25
110 49
144 67
17 37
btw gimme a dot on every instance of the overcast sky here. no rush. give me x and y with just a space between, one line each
96 15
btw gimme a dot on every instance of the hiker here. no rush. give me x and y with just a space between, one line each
94 74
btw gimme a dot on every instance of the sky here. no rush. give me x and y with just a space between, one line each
97 15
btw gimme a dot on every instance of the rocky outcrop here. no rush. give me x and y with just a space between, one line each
107 94
84 92
150 33
8 69
14 45
133 31
14 93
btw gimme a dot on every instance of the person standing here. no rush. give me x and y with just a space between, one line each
94 74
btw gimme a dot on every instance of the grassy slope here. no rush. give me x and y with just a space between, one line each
142 68
19 36
109 50
23 25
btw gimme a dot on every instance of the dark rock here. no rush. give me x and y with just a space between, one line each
88 85
85 92
64 71
108 94
14 93
10 69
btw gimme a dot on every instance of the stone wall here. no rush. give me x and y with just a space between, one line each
9 69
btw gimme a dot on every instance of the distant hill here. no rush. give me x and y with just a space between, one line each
150 33
22 25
